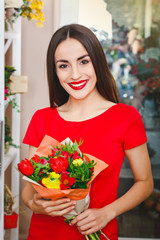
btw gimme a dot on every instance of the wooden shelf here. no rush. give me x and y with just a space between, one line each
9 36
12 157
9 157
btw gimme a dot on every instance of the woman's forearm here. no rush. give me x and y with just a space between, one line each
95 219
143 181
27 194
28 190
136 194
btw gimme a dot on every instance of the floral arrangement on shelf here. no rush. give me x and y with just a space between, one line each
8 138
152 204
30 9
8 201
10 217
7 91
8 71
60 170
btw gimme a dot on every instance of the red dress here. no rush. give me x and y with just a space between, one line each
105 136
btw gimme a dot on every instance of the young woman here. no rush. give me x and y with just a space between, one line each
84 105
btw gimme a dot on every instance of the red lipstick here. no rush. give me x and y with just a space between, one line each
78 85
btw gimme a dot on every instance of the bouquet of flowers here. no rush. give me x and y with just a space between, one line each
60 170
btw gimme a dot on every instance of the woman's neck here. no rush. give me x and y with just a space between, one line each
84 103
83 109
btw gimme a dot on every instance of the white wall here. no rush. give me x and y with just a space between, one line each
93 13
68 11
90 13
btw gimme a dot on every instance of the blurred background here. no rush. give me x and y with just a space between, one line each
129 31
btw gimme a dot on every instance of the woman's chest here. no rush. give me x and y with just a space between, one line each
101 139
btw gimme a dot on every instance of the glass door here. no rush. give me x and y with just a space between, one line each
129 31
134 58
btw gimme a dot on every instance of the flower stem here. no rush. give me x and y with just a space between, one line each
68 220
97 237
86 237
104 235
93 236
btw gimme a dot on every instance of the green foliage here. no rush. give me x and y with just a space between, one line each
71 148
8 72
40 170
8 138
78 167
82 173
14 104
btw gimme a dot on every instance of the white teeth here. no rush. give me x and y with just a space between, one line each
78 85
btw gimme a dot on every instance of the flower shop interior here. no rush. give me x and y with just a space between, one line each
136 69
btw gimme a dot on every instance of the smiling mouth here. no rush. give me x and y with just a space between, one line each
78 85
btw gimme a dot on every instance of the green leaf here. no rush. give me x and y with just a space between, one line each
46 158
82 185
36 171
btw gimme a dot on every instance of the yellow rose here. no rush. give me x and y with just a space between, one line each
52 181
77 162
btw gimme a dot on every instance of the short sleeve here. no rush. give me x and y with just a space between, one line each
33 134
135 132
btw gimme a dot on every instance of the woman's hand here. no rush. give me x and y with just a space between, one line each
58 207
92 220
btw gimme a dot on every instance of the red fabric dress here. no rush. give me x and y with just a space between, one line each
105 136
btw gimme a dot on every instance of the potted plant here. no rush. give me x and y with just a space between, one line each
10 217
8 138
8 72
8 91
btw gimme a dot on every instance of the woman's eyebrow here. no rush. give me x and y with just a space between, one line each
61 60
86 55
66 61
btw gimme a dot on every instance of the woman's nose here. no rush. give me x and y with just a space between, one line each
75 74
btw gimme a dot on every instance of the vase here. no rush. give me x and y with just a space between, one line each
10 221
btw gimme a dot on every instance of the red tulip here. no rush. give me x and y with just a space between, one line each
26 167
58 164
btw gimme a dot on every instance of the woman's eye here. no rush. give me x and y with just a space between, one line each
63 66
84 61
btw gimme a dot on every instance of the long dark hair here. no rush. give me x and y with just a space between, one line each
105 82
